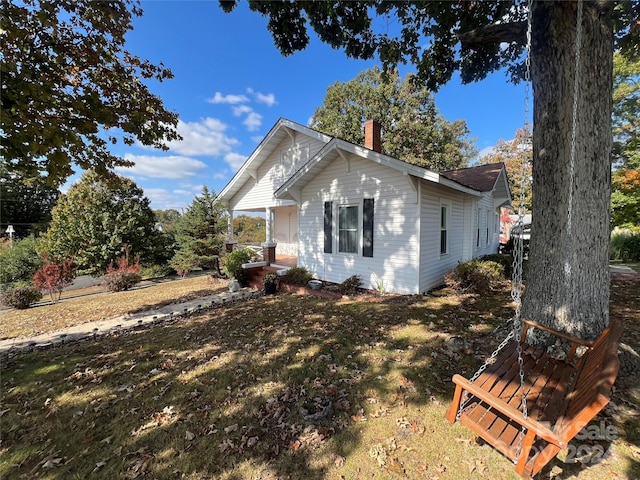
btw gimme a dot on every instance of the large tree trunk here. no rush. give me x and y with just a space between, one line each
567 284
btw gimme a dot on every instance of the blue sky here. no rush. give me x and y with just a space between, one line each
231 85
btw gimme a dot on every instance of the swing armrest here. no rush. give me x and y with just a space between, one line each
575 342
506 409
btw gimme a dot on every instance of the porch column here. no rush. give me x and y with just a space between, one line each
230 243
269 246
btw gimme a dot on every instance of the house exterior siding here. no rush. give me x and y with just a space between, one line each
433 263
274 171
394 265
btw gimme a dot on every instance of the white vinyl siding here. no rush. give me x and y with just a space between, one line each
395 227
488 241
433 265
257 194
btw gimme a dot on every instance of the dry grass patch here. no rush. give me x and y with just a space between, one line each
94 304
277 387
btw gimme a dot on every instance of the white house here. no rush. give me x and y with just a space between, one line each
344 209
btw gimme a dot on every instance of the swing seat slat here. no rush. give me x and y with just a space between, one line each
562 397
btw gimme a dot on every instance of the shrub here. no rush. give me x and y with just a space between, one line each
121 280
54 276
475 276
506 260
183 262
233 263
123 275
20 297
19 262
298 276
351 285
625 245
156 271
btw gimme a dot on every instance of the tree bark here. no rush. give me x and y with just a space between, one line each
567 284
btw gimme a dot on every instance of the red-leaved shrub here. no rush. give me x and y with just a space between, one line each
54 276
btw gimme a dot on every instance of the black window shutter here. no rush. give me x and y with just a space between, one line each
367 228
328 227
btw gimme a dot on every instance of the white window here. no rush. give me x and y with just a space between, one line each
444 229
478 217
486 226
348 229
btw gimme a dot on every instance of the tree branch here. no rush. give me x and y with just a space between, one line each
496 33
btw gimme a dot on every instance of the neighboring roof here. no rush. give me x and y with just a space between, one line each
281 130
482 177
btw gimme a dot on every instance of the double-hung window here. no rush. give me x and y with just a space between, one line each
348 229
444 229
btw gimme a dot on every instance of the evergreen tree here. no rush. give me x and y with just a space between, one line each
200 233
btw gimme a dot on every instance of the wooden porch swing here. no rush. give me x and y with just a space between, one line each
524 402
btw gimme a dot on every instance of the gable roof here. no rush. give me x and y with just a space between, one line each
282 129
336 148
482 177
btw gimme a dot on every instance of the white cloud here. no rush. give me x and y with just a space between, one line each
486 151
161 199
268 99
205 137
241 110
162 167
235 160
183 192
228 99
219 175
257 138
253 121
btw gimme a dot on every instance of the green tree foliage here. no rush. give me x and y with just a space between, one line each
69 84
18 262
512 153
25 203
95 221
626 112
412 128
249 230
625 198
200 233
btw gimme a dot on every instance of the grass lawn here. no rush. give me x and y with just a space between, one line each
93 303
284 387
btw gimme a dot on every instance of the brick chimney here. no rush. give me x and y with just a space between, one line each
372 136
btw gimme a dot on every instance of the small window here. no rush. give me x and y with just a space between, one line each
486 224
348 229
444 226
478 228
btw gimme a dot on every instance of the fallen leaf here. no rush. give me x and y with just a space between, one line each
99 465
231 428
339 461
52 462
188 436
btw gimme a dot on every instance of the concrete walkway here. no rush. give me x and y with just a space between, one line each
13 346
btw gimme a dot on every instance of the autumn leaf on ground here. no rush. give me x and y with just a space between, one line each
339 461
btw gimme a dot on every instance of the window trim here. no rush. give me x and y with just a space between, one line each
446 206
358 210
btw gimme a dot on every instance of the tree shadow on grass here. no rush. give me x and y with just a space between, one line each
276 387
